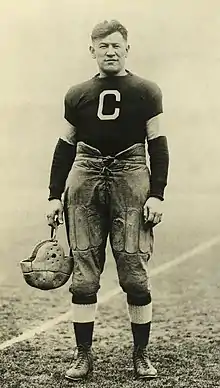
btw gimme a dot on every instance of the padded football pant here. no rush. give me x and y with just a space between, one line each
105 197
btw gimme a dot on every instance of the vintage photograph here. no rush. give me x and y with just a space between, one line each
109 272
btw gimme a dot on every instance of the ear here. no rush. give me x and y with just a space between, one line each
127 50
92 51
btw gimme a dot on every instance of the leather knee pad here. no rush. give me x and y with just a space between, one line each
130 234
85 229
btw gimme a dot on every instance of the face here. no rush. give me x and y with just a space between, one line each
110 53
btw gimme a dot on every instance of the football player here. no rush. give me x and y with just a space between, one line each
110 190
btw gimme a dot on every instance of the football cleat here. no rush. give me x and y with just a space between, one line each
142 366
82 366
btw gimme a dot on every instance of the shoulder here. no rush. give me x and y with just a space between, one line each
75 92
150 88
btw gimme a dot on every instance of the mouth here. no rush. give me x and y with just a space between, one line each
111 60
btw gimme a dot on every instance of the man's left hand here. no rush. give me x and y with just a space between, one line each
153 210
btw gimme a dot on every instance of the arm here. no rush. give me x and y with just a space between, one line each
159 157
63 158
65 150
62 162
159 163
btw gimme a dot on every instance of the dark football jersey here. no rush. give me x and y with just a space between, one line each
111 113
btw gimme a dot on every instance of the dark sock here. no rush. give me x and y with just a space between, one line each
83 333
141 333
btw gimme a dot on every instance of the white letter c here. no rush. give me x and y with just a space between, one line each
114 115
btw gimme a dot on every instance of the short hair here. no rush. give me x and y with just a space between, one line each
103 29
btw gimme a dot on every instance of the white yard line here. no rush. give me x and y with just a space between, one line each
155 271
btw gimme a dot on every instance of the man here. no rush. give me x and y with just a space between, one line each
109 190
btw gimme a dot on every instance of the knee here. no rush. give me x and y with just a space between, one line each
84 293
86 274
143 299
133 274
135 289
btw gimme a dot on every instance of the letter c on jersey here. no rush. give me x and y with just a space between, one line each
100 113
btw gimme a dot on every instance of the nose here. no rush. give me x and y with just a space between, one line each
110 51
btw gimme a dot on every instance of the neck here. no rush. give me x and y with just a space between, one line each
121 73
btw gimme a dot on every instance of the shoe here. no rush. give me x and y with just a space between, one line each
142 366
82 365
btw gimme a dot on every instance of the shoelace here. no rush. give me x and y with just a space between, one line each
107 161
80 355
140 355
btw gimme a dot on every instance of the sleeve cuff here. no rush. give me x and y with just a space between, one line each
54 194
157 190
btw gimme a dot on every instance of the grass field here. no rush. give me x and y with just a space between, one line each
176 43
185 335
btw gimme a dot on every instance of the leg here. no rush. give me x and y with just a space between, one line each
132 245
87 234
133 275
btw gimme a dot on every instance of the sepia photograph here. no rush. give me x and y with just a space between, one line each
109 171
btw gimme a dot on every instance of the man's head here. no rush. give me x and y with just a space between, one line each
109 47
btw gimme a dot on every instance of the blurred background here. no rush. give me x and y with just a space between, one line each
44 50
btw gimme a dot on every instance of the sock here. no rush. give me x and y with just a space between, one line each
83 322
83 333
141 333
140 317
83 313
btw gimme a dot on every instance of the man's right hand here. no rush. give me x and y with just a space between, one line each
55 213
